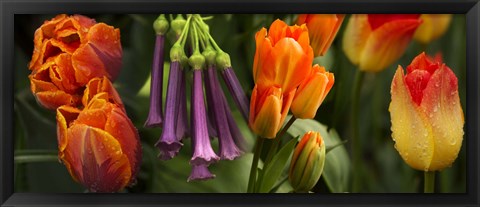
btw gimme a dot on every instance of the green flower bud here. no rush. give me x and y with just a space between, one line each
176 53
307 162
160 25
223 60
178 25
197 61
210 55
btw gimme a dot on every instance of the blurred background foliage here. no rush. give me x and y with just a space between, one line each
38 170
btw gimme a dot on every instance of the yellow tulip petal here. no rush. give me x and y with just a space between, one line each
442 105
355 37
267 120
410 128
433 27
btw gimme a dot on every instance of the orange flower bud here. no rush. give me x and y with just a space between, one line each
307 162
311 93
433 27
426 115
322 29
283 57
268 110
375 41
99 145
68 52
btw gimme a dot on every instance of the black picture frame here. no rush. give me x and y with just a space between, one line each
8 8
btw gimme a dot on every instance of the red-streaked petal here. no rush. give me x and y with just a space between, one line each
442 106
386 44
411 131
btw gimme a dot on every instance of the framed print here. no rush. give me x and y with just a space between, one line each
263 103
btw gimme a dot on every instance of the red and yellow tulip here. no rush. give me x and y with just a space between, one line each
311 93
68 52
322 30
99 145
426 114
432 28
374 41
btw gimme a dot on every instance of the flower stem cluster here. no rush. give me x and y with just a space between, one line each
195 54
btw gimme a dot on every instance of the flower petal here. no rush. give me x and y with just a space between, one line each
411 130
442 105
386 44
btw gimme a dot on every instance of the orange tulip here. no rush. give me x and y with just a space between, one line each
283 57
432 28
426 115
311 93
99 145
322 29
268 110
375 41
68 52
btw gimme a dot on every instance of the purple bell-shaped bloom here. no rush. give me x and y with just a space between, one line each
182 129
169 144
155 114
203 153
200 172
233 85
228 149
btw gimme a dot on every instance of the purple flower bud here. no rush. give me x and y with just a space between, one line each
182 119
200 172
155 114
203 153
169 144
237 92
228 149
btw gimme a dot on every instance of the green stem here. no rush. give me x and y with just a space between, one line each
429 182
355 144
253 169
274 147
276 141
35 158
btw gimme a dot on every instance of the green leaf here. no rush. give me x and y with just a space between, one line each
336 172
276 166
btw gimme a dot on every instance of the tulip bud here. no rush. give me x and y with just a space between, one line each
426 114
322 29
99 145
311 93
374 41
432 28
268 110
307 162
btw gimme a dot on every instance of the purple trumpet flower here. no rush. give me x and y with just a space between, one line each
212 128
169 144
237 92
232 125
228 149
182 129
203 153
155 114
200 172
